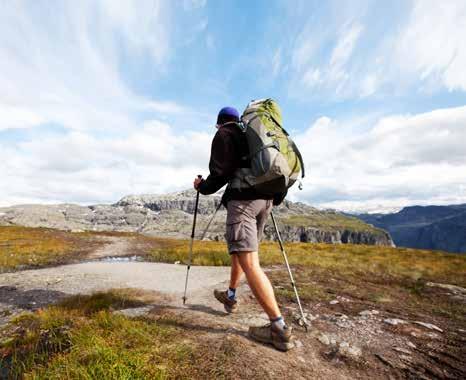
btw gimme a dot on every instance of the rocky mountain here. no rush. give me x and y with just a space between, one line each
170 215
428 227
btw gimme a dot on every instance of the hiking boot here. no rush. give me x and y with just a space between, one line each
279 338
231 306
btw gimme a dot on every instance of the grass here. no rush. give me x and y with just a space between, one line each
330 221
345 259
24 247
81 338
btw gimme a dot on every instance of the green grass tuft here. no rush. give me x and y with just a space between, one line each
88 341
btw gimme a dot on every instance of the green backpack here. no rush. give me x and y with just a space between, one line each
275 159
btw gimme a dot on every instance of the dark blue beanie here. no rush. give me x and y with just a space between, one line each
227 114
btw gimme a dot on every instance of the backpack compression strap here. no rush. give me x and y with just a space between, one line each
298 154
293 145
271 145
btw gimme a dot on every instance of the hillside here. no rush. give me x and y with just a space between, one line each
113 309
170 215
427 227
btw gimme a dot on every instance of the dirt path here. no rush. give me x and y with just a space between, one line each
116 246
110 266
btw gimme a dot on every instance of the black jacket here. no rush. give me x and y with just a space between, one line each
229 147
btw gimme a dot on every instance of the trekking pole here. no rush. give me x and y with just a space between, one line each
303 318
191 244
210 221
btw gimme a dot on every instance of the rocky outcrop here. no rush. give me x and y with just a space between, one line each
315 235
170 215
181 201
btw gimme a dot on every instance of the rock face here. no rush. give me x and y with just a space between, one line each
170 215
316 235
429 227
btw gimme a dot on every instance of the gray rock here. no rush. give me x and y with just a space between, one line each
324 339
343 299
429 326
394 321
134 312
452 288
349 351
308 317
406 358
368 313
402 350
345 324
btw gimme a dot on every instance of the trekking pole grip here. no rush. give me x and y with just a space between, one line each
196 205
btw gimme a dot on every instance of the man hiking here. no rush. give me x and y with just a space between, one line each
247 213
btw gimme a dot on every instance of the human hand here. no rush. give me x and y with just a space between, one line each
197 181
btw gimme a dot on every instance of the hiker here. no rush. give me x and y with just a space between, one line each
247 213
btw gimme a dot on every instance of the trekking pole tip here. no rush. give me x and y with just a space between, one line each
184 300
305 324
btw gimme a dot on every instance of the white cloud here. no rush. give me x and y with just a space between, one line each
276 62
399 160
141 23
79 167
345 46
210 42
312 77
353 165
68 70
304 51
369 85
332 73
17 117
422 49
432 46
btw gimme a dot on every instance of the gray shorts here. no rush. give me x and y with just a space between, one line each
245 224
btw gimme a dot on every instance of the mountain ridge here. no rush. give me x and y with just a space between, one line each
170 215
426 227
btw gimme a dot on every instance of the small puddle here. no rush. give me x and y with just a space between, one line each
120 259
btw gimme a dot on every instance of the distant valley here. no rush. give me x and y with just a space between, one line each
427 227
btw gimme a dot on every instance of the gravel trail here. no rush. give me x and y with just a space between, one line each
35 288
94 276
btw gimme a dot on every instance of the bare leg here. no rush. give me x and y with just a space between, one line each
259 283
236 272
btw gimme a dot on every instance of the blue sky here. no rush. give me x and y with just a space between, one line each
99 99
